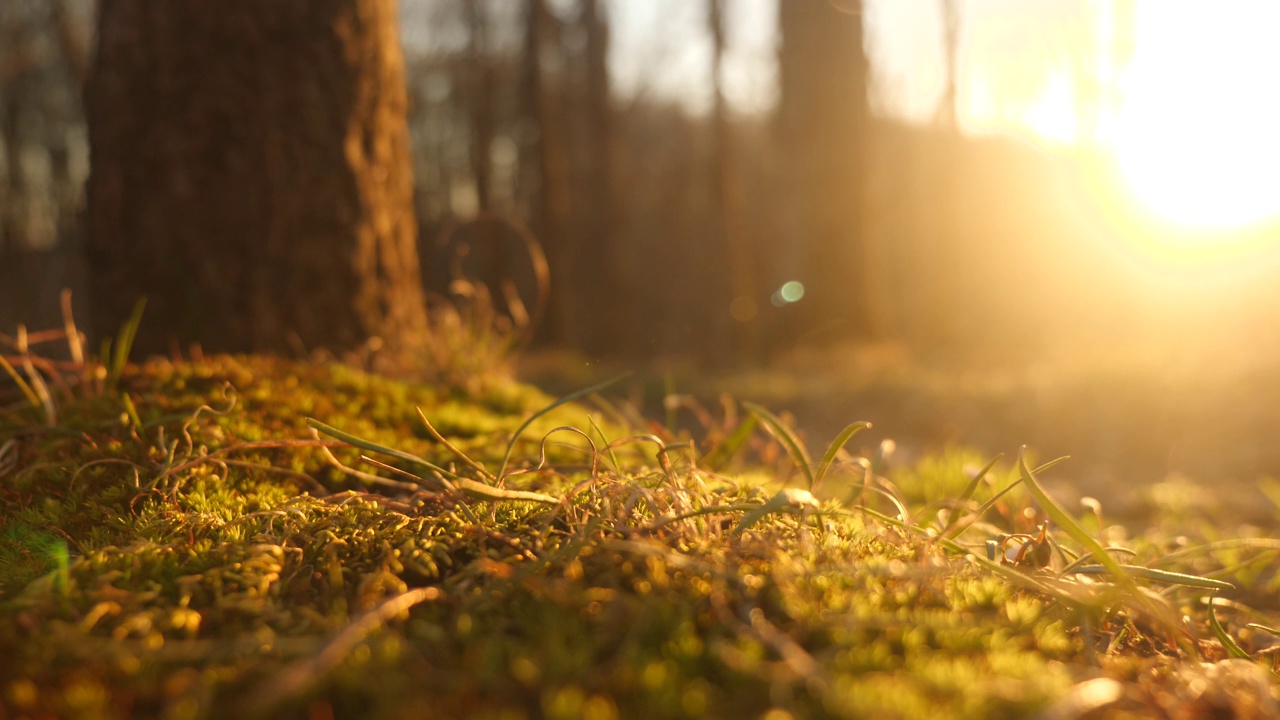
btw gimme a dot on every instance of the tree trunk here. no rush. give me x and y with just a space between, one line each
551 214
822 124
251 176
597 274
480 89
72 45
740 303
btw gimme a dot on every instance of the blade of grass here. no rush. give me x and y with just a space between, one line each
36 381
74 346
1164 576
961 525
1233 543
1228 642
726 450
834 448
511 444
124 341
893 499
1008 573
466 485
970 489
794 447
604 440
363 444
22 384
1264 628
1079 561
132 411
1123 581
1064 520
451 447
481 491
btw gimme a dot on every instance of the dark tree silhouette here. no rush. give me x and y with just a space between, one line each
251 175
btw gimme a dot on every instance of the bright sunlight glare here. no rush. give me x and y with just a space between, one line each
1197 136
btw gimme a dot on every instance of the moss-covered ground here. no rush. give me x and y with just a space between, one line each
178 543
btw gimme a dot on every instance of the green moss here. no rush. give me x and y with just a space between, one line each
196 561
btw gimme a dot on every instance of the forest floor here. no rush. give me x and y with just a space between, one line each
267 538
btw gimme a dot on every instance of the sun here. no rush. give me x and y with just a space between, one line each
1197 134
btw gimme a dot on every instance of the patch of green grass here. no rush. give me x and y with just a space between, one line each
181 545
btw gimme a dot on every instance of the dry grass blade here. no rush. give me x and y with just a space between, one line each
75 345
481 491
470 487
613 456
542 450
369 478
363 444
466 460
662 453
1086 557
511 444
415 482
33 376
22 384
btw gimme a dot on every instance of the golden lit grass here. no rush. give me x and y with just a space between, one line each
180 544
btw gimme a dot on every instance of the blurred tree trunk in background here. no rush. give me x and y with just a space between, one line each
481 88
17 80
71 43
251 176
17 86
480 101
597 277
936 283
740 302
822 123
551 211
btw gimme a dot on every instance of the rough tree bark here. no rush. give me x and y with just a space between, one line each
251 175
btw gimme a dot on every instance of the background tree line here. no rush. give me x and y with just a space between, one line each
668 231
